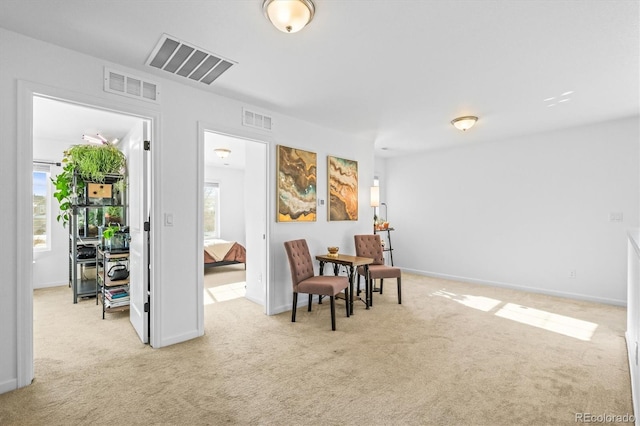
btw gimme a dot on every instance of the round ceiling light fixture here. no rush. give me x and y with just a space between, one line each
222 152
464 123
289 16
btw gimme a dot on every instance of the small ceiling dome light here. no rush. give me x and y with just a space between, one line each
289 16
464 123
222 152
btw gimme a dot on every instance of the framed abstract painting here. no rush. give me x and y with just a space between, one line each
343 188
296 186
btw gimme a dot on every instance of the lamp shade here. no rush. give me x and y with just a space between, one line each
289 16
464 123
375 196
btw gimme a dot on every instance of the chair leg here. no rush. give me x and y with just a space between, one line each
333 312
399 291
347 299
295 305
358 286
381 284
310 299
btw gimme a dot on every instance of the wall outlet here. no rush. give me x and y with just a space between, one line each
615 217
572 273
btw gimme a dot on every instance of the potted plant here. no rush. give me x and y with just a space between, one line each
89 163
113 215
107 234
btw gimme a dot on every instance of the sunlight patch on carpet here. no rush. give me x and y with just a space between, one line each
481 303
572 327
224 292
567 326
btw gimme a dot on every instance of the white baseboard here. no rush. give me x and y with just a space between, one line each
303 301
51 284
633 372
254 300
9 386
567 295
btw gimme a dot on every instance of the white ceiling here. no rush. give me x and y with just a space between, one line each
395 71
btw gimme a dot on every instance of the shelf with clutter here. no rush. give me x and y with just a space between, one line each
91 194
112 280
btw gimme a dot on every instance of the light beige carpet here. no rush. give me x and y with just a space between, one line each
451 354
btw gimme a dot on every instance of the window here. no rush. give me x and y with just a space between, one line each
41 207
211 214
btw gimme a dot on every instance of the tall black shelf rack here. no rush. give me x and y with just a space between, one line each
82 235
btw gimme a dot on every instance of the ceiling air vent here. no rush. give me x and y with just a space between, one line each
183 59
127 85
256 120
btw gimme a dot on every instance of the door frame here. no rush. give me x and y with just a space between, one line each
207 127
25 94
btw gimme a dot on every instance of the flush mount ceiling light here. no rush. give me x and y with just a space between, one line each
222 152
464 123
289 16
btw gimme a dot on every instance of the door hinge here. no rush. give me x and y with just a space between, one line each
147 226
147 145
146 307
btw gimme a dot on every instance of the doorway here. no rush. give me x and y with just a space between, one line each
234 210
30 96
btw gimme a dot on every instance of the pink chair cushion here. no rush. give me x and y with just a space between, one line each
383 271
324 285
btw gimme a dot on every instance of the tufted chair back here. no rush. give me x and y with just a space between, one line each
369 246
304 280
299 260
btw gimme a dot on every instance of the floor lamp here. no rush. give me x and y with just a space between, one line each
375 202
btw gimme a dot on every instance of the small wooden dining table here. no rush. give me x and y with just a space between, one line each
351 262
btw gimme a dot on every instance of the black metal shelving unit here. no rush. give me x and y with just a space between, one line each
84 286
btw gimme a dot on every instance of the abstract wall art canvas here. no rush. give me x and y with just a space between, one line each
297 179
343 188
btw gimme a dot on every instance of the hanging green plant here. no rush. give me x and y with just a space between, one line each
90 163
94 162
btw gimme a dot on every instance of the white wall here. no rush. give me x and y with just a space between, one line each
322 233
232 219
256 219
523 212
174 149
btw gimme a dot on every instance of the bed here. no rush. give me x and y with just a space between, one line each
221 252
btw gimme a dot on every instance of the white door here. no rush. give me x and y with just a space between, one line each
137 160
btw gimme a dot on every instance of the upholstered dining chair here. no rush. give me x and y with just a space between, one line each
370 246
304 279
